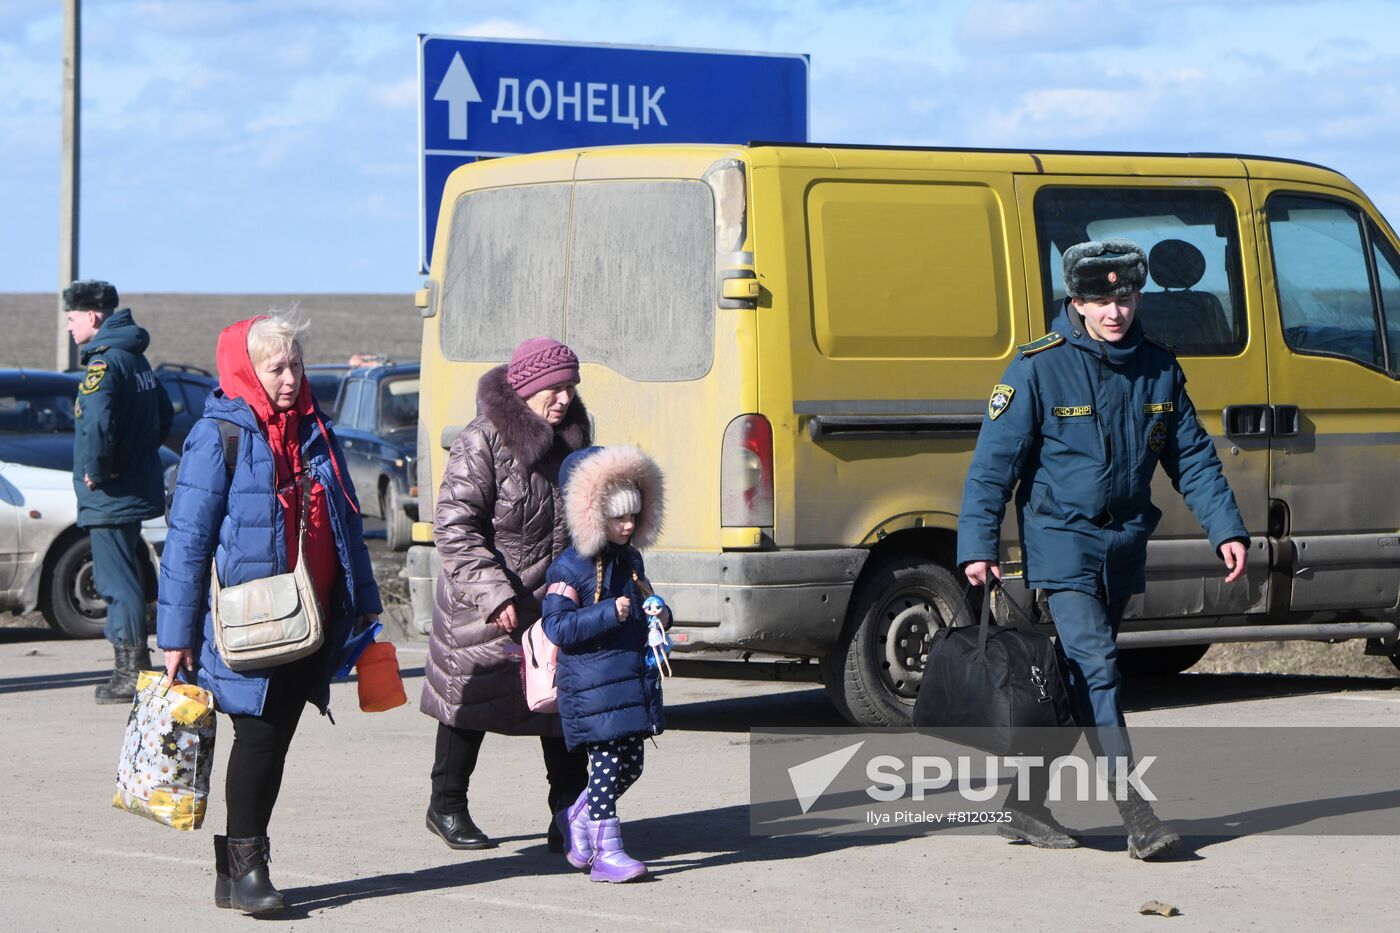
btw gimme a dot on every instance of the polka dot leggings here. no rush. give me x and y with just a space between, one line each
613 766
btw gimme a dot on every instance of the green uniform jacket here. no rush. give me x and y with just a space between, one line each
121 416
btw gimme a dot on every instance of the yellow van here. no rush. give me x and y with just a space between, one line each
805 336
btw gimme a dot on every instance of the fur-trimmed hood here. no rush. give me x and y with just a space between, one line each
528 435
585 479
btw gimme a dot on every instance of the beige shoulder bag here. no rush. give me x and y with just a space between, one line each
272 621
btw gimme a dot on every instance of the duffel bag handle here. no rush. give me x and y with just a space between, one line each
1020 619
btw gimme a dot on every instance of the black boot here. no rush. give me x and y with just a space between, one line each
222 885
121 687
1147 836
555 837
457 830
557 799
1031 820
250 890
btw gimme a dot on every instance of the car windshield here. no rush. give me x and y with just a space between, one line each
37 412
398 403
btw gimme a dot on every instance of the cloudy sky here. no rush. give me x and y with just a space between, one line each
271 145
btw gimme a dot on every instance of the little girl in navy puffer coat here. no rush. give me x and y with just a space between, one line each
609 697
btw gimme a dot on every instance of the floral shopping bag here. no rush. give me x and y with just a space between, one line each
168 753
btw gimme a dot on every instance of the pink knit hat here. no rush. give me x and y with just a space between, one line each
539 363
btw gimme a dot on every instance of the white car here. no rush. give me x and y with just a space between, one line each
45 558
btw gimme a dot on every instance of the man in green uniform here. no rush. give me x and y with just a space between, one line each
121 416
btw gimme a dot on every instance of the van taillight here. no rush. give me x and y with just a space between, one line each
746 473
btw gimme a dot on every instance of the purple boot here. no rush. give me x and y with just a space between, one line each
610 863
573 825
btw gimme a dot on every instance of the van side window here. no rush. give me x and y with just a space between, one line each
1194 297
1324 284
1388 276
505 270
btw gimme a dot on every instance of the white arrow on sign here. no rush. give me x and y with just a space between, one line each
457 89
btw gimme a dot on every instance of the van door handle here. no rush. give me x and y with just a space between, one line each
1248 420
1286 420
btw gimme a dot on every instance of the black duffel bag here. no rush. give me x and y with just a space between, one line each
996 688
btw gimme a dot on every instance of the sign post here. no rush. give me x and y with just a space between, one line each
484 98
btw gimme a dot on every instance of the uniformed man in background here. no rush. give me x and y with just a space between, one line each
121 416
1077 427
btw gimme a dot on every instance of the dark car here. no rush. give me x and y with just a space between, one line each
378 430
326 379
45 558
188 387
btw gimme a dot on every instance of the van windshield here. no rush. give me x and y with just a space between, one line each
627 281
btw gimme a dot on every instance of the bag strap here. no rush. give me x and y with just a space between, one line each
304 493
230 434
984 624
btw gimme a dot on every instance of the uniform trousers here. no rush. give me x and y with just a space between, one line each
1087 630
116 575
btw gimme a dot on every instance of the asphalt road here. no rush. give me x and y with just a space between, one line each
351 852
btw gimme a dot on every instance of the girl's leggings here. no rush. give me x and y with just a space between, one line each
613 766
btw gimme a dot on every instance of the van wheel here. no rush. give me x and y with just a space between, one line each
68 598
1168 659
874 673
398 527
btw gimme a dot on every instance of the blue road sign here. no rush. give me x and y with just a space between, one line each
482 98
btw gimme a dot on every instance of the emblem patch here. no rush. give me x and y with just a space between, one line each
1157 437
1156 408
1073 411
77 408
1000 401
97 371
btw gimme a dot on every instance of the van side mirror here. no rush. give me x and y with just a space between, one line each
425 299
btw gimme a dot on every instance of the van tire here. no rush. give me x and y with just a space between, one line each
899 601
1161 661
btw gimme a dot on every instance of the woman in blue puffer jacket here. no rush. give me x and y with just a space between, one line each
609 697
242 512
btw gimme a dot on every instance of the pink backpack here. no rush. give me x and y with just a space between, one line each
541 659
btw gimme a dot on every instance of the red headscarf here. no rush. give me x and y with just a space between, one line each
238 379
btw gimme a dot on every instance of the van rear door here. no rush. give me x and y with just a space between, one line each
667 362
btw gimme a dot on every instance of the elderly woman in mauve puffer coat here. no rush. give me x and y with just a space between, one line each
499 524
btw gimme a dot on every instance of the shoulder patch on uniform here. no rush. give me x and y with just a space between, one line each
96 372
1156 408
1000 401
1051 339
